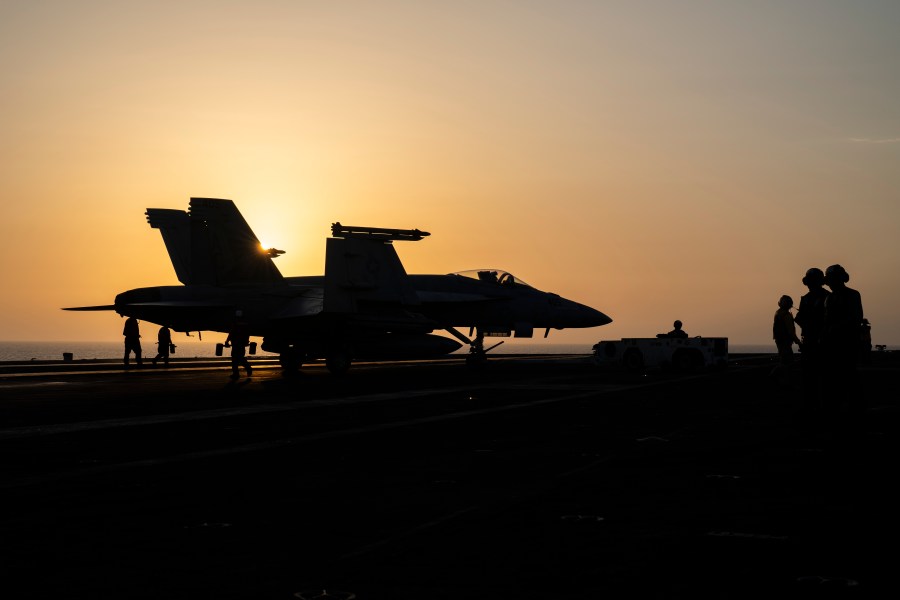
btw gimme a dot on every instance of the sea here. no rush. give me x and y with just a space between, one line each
33 351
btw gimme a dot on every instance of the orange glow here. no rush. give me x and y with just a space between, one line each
632 158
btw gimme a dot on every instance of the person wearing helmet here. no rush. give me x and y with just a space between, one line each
238 339
132 333
785 335
677 332
811 319
811 312
840 341
163 342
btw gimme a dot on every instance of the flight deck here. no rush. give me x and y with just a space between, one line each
533 477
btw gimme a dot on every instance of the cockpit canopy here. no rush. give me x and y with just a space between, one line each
496 276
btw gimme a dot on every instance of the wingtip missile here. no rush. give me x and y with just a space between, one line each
410 235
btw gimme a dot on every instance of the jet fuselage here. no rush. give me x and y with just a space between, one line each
296 304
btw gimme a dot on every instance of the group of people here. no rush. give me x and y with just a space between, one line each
834 339
132 333
238 339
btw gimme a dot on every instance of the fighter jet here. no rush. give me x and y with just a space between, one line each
364 306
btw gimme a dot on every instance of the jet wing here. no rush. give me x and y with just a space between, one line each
91 308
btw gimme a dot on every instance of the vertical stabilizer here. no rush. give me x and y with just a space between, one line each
362 271
224 248
175 227
213 245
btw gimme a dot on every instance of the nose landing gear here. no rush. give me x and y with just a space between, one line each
477 357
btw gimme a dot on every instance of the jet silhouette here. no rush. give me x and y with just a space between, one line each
364 306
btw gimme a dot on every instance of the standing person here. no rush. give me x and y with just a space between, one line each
238 339
840 342
163 341
132 333
811 319
677 332
785 335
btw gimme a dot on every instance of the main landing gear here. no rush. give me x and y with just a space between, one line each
337 361
477 357
291 359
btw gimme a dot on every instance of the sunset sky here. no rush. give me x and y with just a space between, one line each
653 159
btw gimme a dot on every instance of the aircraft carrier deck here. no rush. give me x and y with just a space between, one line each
539 477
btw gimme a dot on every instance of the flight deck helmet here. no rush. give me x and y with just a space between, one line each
836 273
814 276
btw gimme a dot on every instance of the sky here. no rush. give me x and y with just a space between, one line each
656 160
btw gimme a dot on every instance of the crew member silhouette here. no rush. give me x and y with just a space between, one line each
164 340
840 343
785 335
677 332
239 339
132 335
811 319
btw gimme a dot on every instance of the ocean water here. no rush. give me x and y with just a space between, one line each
28 351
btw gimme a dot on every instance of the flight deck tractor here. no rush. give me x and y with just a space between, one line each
682 354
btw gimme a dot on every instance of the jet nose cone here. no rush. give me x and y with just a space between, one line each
598 318
573 314
591 317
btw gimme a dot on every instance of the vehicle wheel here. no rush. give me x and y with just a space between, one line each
338 362
685 360
290 360
633 360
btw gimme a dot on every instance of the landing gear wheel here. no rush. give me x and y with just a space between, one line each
476 360
477 357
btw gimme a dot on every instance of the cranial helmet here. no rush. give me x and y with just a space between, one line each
814 276
837 272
